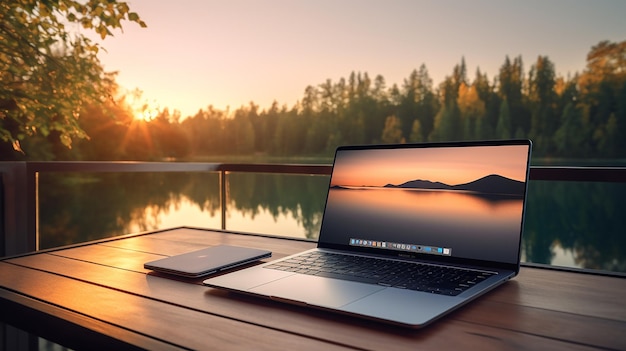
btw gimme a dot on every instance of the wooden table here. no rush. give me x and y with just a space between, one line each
98 295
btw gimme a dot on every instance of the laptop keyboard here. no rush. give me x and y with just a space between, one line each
400 274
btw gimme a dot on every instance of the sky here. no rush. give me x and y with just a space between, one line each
197 53
451 166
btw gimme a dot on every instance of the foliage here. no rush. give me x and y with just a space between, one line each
47 72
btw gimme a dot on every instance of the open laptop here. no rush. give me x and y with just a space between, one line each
441 223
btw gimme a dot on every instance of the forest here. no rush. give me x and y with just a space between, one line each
581 116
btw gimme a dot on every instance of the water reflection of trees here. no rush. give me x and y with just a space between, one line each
302 197
583 218
75 208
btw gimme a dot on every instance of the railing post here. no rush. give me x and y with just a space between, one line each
19 223
222 181
31 205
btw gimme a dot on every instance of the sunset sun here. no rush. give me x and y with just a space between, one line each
145 113
141 109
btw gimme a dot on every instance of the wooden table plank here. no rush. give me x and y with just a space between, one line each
110 256
582 329
185 240
587 294
73 329
205 238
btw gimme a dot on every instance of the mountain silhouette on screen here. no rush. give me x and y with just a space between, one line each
491 184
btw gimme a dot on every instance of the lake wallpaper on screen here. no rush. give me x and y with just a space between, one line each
466 199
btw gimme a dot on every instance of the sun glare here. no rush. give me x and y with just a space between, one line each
141 109
145 114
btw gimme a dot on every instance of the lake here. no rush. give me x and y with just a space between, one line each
569 224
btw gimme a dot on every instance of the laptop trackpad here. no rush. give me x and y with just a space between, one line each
315 290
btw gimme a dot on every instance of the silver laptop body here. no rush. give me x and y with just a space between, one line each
448 207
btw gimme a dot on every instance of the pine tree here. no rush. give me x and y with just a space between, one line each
416 132
543 99
392 133
511 84
621 121
503 128
471 108
570 137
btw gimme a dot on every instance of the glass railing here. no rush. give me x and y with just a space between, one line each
573 213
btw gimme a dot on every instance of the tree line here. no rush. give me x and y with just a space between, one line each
579 116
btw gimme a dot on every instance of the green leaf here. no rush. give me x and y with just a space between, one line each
102 30
16 146
66 140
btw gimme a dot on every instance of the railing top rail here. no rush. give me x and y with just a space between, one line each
120 166
317 169
579 174
549 173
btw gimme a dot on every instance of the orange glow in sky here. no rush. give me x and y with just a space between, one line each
451 166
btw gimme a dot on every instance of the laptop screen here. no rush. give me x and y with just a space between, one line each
462 200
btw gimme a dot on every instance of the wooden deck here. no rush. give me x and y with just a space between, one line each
99 295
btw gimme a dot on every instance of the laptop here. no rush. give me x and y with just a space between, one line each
206 261
410 232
